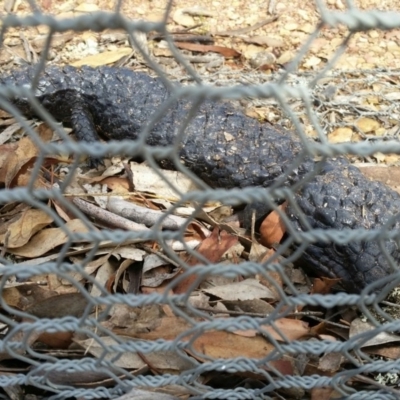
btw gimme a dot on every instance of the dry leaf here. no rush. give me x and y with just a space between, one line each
108 57
389 351
155 271
388 159
270 279
205 48
24 295
59 306
6 150
90 268
331 362
367 125
162 393
61 212
324 393
249 306
220 344
248 289
146 180
56 340
116 184
287 329
24 156
358 326
27 337
163 361
48 239
340 135
212 248
20 231
167 328
104 273
324 285
273 228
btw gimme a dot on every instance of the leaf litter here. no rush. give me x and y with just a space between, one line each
136 199
31 236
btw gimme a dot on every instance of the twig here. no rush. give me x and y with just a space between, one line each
260 315
143 215
243 31
389 304
326 321
187 37
107 216
271 7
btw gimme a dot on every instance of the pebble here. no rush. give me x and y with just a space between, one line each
262 58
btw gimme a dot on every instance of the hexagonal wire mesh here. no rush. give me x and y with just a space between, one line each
75 323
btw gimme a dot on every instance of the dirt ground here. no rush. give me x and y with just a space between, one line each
234 26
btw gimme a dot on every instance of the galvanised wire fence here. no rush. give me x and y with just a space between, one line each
87 312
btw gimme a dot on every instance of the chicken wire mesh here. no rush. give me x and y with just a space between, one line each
94 306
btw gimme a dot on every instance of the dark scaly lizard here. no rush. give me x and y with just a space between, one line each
227 149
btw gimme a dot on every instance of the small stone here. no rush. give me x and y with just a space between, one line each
339 5
336 42
318 44
307 28
86 7
378 49
280 7
285 57
274 42
228 136
291 26
250 51
182 19
304 14
312 62
262 58
12 41
373 34
391 45
265 41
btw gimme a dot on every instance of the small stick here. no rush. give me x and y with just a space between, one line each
243 31
143 215
107 216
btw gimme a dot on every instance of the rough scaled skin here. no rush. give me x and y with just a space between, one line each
119 102
342 197
226 149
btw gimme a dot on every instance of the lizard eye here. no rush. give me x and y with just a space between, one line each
338 249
